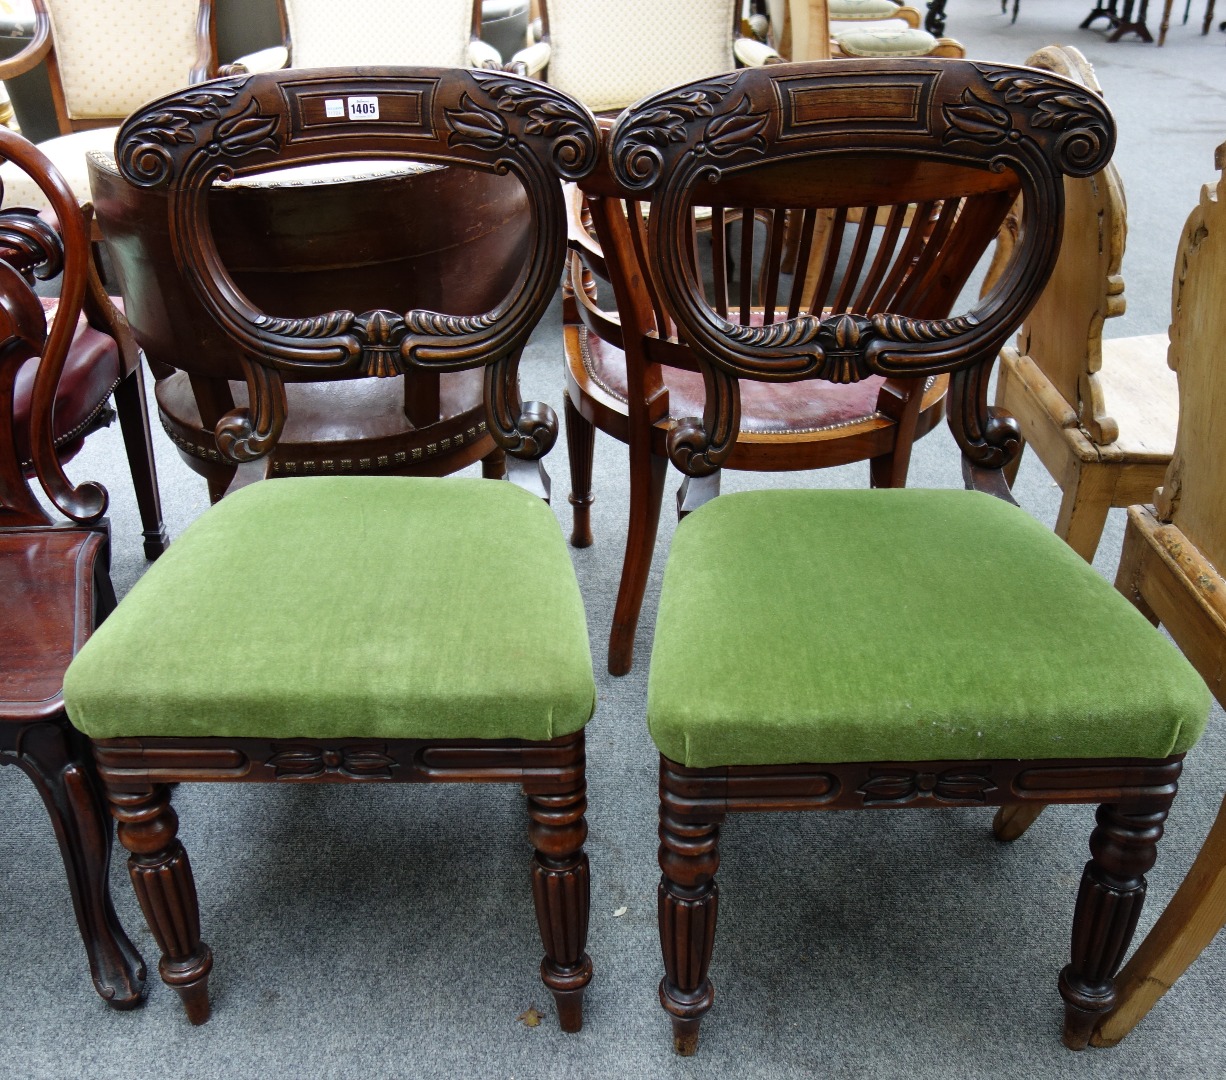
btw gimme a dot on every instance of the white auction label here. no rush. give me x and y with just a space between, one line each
363 108
334 107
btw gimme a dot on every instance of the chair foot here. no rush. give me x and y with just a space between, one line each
1123 846
63 775
1011 821
162 878
156 542
557 829
688 900
685 1036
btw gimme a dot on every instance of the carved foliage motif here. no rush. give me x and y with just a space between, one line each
637 161
363 762
903 786
147 141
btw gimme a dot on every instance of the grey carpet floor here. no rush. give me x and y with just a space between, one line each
389 931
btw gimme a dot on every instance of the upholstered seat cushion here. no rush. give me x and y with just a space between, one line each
868 41
67 154
901 625
349 606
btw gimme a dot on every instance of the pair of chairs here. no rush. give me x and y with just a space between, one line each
380 620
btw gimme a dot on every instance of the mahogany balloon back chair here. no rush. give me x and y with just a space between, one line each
54 584
882 649
378 642
866 242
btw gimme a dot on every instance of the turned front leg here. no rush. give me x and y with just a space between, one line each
162 877
560 892
688 902
1123 847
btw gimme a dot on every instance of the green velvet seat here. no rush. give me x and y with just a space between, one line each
902 625
334 607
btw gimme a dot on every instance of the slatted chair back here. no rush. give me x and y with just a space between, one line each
913 165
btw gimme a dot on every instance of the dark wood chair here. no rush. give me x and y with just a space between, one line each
340 629
886 649
861 250
407 232
103 364
54 585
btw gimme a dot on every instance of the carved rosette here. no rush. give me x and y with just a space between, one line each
896 787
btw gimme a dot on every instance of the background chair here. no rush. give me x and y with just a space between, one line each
1172 569
321 33
1063 376
54 586
862 249
833 650
103 62
852 28
610 55
285 242
380 647
102 362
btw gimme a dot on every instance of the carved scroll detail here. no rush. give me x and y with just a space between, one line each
246 434
550 115
637 161
144 146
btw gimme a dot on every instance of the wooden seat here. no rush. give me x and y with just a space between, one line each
337 628
859 250
54 586
884 649
1173 567
1098 412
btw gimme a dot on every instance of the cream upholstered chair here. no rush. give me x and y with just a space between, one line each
864 28
323 33
169 43
610 55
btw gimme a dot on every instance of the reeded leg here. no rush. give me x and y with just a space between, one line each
580 447
560 892
1122 847
1193 918
1011 821
134 424
647 474
688 902
62 772
162 877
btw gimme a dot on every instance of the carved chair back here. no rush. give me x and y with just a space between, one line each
318 34
958 139
487 121
1193 495
610 55
1064 332
104 60
28 244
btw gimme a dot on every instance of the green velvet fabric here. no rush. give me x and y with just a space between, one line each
374 607
901 625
